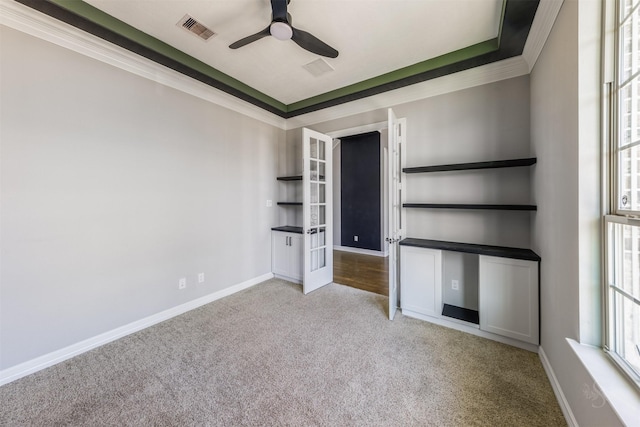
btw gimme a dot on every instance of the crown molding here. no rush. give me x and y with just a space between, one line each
32 22
540 29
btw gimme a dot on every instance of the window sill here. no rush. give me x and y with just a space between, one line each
614 386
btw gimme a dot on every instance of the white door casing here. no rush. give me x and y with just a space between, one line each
317 209
397 137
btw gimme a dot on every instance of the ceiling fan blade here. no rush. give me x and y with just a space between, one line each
313 44
279 10
250 39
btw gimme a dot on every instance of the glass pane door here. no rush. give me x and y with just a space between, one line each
317 153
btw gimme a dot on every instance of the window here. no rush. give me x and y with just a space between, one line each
622 295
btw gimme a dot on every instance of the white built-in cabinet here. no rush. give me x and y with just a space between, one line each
507 288
492 291
286 251
508 297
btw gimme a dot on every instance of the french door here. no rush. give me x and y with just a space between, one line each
397 135
317 210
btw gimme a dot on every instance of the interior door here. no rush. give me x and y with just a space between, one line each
317 210
397 135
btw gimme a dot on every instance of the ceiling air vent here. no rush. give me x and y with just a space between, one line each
193 26
318 67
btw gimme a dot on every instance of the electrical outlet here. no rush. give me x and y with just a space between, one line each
355 238
182 283
455 285
201 278
269 203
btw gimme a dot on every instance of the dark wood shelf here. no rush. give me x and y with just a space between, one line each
289 203
461 313
470 206
294 178
290 178
288 229
470 166
498 251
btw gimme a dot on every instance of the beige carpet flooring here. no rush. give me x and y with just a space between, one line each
271 356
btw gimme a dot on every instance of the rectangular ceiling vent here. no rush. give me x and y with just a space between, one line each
193 26
318 67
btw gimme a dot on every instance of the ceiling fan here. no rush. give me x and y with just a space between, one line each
282 29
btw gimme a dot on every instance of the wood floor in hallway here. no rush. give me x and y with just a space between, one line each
366 272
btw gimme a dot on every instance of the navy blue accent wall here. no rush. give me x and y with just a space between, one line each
361 191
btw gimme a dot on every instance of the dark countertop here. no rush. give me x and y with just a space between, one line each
288 229
498 251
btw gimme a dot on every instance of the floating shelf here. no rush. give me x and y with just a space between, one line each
460 313
469 166
288 229
470 206
498 251
290 178
289 203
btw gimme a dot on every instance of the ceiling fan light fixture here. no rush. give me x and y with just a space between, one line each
281 30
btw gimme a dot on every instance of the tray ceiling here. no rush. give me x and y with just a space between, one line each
383 44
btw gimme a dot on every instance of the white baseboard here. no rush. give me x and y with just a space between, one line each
16 372
360 251
288 279
562 400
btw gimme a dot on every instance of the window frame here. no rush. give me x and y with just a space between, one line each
614 106
613 178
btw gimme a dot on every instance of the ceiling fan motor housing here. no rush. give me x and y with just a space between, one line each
281 30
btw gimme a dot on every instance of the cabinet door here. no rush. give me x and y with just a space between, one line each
421 281
296 268
508 299
280 253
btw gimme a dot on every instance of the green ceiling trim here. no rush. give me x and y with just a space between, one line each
101 18
402 73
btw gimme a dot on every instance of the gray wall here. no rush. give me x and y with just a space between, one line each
465 269
564 136
113 187
489 122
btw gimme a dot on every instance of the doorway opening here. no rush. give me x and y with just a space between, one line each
360 197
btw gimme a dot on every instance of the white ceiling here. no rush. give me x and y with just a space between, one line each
373 36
